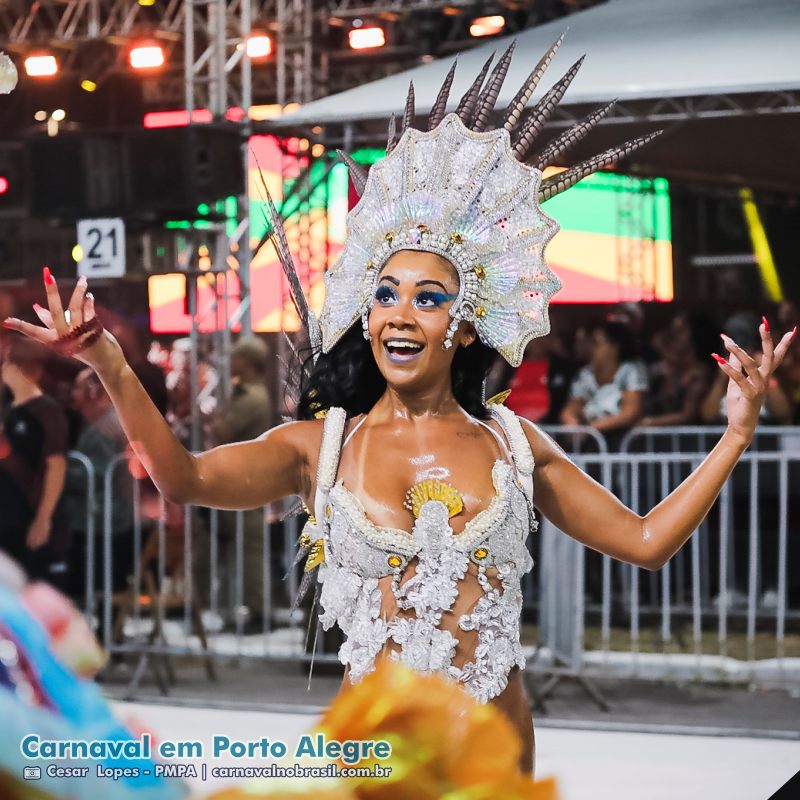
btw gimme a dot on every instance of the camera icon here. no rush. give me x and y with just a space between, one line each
32 773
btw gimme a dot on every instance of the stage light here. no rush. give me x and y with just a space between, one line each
258 45
147 3
88 86
366 38
147 56
487 26
41 65
77 253
3 184
59 115
40 116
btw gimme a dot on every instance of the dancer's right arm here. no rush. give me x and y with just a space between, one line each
234 476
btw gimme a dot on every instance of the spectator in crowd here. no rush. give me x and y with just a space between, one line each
101 440
609 392
680 380
32 468
540 385
150 375
633 315
777 408
178 382
246 415
582 345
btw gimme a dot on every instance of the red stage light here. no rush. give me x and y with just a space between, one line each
41 65
258 45
366 38
3 184
146 56
487 26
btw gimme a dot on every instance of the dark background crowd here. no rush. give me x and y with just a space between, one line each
612 368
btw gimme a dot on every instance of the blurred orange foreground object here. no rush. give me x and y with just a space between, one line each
444 743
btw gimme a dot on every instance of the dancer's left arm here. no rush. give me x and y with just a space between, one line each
587 511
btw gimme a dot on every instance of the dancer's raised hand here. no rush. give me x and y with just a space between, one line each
746 392
71 331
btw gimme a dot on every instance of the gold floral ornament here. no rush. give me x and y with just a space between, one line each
316 407
420 493
499 398
315 556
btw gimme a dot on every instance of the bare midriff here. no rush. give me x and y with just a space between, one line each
513 700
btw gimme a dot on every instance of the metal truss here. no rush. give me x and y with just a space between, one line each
312 58
677 109
54 22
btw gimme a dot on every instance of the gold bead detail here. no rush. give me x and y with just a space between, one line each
456 238
389 236
481 553
394 561
370 265
423 228
328 511
480 272
433 489
480 312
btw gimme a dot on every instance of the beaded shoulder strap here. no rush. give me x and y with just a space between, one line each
520 446
328 457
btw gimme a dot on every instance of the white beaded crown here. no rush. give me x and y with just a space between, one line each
466 194
463 195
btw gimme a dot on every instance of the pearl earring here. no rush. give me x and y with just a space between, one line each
365 324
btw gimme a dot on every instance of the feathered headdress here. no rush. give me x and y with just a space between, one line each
469 194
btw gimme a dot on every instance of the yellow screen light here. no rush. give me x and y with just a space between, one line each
150 56
40 66
88 86
367 38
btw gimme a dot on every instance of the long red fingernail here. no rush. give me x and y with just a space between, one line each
766 324
794 333
7 324
48 278
719 359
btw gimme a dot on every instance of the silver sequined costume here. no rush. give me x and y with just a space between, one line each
433 622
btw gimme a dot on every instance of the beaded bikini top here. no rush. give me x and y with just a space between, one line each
459 612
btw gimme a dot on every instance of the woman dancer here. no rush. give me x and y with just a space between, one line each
423 494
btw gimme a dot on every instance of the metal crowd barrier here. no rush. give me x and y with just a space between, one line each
190 588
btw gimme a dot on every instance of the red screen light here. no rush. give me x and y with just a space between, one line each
3 184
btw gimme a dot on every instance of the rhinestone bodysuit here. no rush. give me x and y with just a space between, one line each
432 599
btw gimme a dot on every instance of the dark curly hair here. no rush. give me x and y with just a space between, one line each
619 334
348 377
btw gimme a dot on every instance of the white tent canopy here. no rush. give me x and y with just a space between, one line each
636 50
